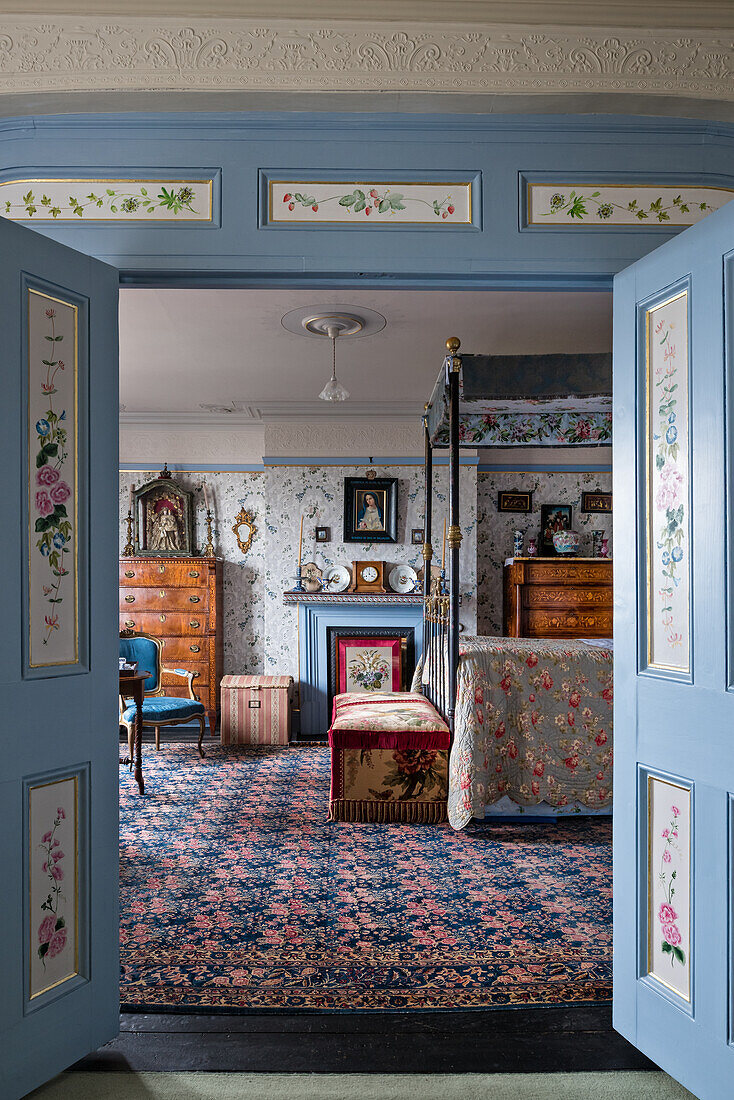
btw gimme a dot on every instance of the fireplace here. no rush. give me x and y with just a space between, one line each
327 622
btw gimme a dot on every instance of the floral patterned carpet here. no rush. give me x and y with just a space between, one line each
239 896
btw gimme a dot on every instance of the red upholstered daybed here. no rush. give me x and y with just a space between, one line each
389 758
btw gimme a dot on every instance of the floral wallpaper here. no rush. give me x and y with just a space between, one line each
260 632
494 529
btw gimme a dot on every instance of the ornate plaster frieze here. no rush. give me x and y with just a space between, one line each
82 54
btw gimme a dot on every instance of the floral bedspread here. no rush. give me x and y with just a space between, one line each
533 721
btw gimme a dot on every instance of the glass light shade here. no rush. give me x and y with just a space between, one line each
334 391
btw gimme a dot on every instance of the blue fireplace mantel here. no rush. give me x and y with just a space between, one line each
316 613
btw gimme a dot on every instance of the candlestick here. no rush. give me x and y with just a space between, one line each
443 552
209 548
300 543
129 550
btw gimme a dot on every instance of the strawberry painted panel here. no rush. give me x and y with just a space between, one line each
54 884
669 885
365 204
53 477
668 485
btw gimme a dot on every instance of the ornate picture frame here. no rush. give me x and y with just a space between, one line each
596 502
370 509
514 501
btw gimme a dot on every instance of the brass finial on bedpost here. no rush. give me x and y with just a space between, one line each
452 346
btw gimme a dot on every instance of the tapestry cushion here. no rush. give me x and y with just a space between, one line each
393 720
383 785
165 708
145 652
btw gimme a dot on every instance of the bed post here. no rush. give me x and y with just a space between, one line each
453 366
427 511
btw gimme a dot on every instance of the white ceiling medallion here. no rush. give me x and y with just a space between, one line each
333 322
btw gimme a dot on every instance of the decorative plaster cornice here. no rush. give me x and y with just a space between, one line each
83 54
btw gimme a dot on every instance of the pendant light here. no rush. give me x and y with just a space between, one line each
333 321
333 390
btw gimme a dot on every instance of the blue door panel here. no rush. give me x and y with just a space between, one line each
673 728
58 649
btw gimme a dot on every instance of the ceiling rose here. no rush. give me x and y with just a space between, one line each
349 320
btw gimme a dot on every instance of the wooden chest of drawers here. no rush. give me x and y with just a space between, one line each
558 598
178 600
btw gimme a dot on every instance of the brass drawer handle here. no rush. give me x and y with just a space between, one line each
193 572
193 599
195 649
162 594
129 599
129 572
162 618
129 623
194 623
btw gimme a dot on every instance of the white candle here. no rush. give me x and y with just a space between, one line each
443 552
300 541
206 497
130 503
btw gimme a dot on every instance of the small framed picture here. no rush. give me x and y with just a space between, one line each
553 518
514 501
322 534
596 502
416 536
370 509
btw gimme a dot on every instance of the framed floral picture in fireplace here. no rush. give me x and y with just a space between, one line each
370 659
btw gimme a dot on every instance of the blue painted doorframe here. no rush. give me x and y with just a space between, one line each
497 250
238 152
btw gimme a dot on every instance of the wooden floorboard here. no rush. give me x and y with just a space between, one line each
522 1040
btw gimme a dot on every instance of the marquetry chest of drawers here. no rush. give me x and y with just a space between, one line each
178 600
558 598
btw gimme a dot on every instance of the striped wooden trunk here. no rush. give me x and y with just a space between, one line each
256 710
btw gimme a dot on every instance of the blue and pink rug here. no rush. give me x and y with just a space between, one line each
239 896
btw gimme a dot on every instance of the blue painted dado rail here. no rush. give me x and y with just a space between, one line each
320 614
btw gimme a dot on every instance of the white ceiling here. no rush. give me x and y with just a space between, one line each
180 349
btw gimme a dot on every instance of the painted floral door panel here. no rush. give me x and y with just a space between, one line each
673 631
668 485
53 479
58 655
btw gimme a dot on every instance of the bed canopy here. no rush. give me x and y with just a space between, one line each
497 400
521 400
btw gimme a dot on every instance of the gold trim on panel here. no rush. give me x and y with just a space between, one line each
37 787
31 532
649 663
464 185
648 961
96 180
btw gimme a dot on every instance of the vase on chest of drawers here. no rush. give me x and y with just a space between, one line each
178 599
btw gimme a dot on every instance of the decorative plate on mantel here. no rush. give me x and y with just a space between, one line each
338 578
403 578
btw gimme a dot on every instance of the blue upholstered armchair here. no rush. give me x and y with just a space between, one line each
158 709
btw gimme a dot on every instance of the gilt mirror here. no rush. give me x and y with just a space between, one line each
244 529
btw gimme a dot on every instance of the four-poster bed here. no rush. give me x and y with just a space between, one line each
530 720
